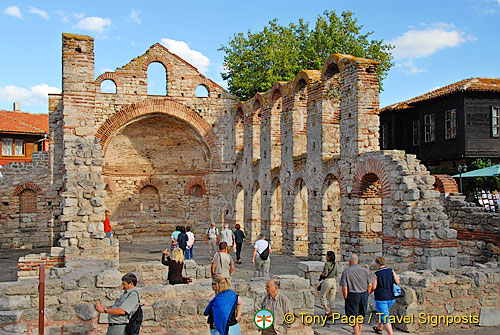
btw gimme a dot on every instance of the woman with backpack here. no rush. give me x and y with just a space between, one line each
182 239
261 259
329 283
384 295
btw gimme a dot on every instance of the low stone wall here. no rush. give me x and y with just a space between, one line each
469 295
28 267
478 231
71 292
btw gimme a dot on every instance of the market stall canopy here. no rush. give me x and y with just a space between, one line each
486 172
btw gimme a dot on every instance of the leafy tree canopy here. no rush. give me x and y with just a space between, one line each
255 61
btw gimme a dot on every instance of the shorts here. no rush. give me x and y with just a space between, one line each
383 308
356 304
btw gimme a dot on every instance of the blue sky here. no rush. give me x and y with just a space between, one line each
437 42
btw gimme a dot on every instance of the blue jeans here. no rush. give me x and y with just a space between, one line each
108 235
383 308
189 253
233 330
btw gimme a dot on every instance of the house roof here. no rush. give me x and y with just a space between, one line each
22 122
466 85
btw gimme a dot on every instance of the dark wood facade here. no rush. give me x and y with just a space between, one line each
470 132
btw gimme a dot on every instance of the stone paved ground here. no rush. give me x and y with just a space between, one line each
8 261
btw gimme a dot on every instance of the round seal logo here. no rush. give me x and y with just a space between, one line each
263 319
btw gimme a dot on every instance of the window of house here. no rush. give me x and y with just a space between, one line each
450 124
18 148
11 147
416 133
384 137
430 128
7 146
495 121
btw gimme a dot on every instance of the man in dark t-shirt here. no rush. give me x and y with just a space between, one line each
239 236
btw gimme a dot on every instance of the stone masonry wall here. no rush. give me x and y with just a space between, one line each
71 292
31 226
334 189
467 296
478 231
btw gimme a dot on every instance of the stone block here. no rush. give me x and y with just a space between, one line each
438 262
13 303
88 280
85 312
308 266
56 252
109 278
63 313
488 317
165 309
15 329
10 316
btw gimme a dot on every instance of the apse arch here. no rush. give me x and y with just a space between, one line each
163 107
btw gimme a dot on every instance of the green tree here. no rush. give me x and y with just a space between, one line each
255 61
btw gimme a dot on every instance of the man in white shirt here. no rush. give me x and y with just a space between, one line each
212 239
227 236
261 259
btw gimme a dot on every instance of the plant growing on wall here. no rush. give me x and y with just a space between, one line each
255 61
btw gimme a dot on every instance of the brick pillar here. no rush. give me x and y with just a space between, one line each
83 196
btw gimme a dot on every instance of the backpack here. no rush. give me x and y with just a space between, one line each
134 323
265 254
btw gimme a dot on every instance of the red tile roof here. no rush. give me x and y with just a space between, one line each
21 122
466 85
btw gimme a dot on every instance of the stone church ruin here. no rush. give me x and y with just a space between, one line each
299 163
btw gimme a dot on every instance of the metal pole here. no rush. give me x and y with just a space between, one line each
460 181
41 302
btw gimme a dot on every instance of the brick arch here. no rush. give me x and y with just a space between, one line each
308 76
194 182
159 59
367 167
27 186
207 83
163 106
342 60
257 98
445 184
109 76
277 90
148 182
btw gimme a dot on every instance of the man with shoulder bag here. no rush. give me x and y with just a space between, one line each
262 248
125 316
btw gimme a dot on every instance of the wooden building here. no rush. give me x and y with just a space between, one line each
448 126
22 133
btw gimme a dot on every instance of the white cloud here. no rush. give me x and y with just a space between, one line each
105 69
35 95
93 23
68 17
39 12
421 43
182 49
13 11
134 16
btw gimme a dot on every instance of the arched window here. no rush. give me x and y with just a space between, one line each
196 191
149 199
27 202
202 91
157 79
108 86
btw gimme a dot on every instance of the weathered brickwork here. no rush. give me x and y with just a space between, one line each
478 231
26 204
330 187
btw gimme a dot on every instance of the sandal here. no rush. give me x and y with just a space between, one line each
376 330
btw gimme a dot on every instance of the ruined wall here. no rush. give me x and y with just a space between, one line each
478 231
449 299
72 291
26 204
154 161
330 187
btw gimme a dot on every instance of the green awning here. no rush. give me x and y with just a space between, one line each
490 171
